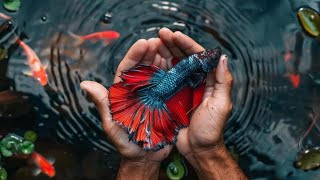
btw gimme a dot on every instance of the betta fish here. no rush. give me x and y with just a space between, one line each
37 70
152 104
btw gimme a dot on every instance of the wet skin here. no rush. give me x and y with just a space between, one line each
202 142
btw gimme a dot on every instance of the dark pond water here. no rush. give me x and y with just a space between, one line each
263 39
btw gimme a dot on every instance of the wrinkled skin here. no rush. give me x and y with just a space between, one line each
207 122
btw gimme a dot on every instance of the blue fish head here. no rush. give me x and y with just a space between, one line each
209 58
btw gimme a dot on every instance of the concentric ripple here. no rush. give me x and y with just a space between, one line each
269 115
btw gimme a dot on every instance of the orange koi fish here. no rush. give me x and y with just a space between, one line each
45 166
107 36
37 70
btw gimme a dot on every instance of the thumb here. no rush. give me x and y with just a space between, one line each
99 96
223 82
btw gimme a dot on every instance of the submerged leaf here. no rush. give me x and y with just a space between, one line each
11 5
309 159
5 152
3 174
27 147
176 169
30 136
310 21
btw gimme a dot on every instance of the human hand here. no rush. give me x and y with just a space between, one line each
136 162
202 142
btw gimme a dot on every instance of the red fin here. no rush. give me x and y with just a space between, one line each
198 94
179 106
139 76
151 127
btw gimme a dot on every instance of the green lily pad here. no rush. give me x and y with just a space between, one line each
11 5
5 152
175 171
3 174
27 147
30 136
310 21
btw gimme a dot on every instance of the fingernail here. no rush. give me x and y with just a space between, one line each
225 62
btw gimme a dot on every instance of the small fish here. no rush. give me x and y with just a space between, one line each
106 36
152 104
37 70
45 166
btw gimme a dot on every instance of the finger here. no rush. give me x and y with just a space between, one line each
223 79
163 64
166 36
186 44
210 81
165 53
157 60
99 96
135 54
152 51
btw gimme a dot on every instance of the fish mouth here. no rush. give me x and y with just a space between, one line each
210 53
215 53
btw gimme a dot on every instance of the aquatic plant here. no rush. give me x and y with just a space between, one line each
3 52
13 144
30 136
310 21
3 174
176 168
309 159
11 5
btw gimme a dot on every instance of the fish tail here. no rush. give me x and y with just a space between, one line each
79 39
146 118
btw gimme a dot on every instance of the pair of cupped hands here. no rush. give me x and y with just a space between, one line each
203 137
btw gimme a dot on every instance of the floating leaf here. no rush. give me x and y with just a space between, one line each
309 159
27 147
3 174
11 5
5 152
176 168
30 136
3 52
310 21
